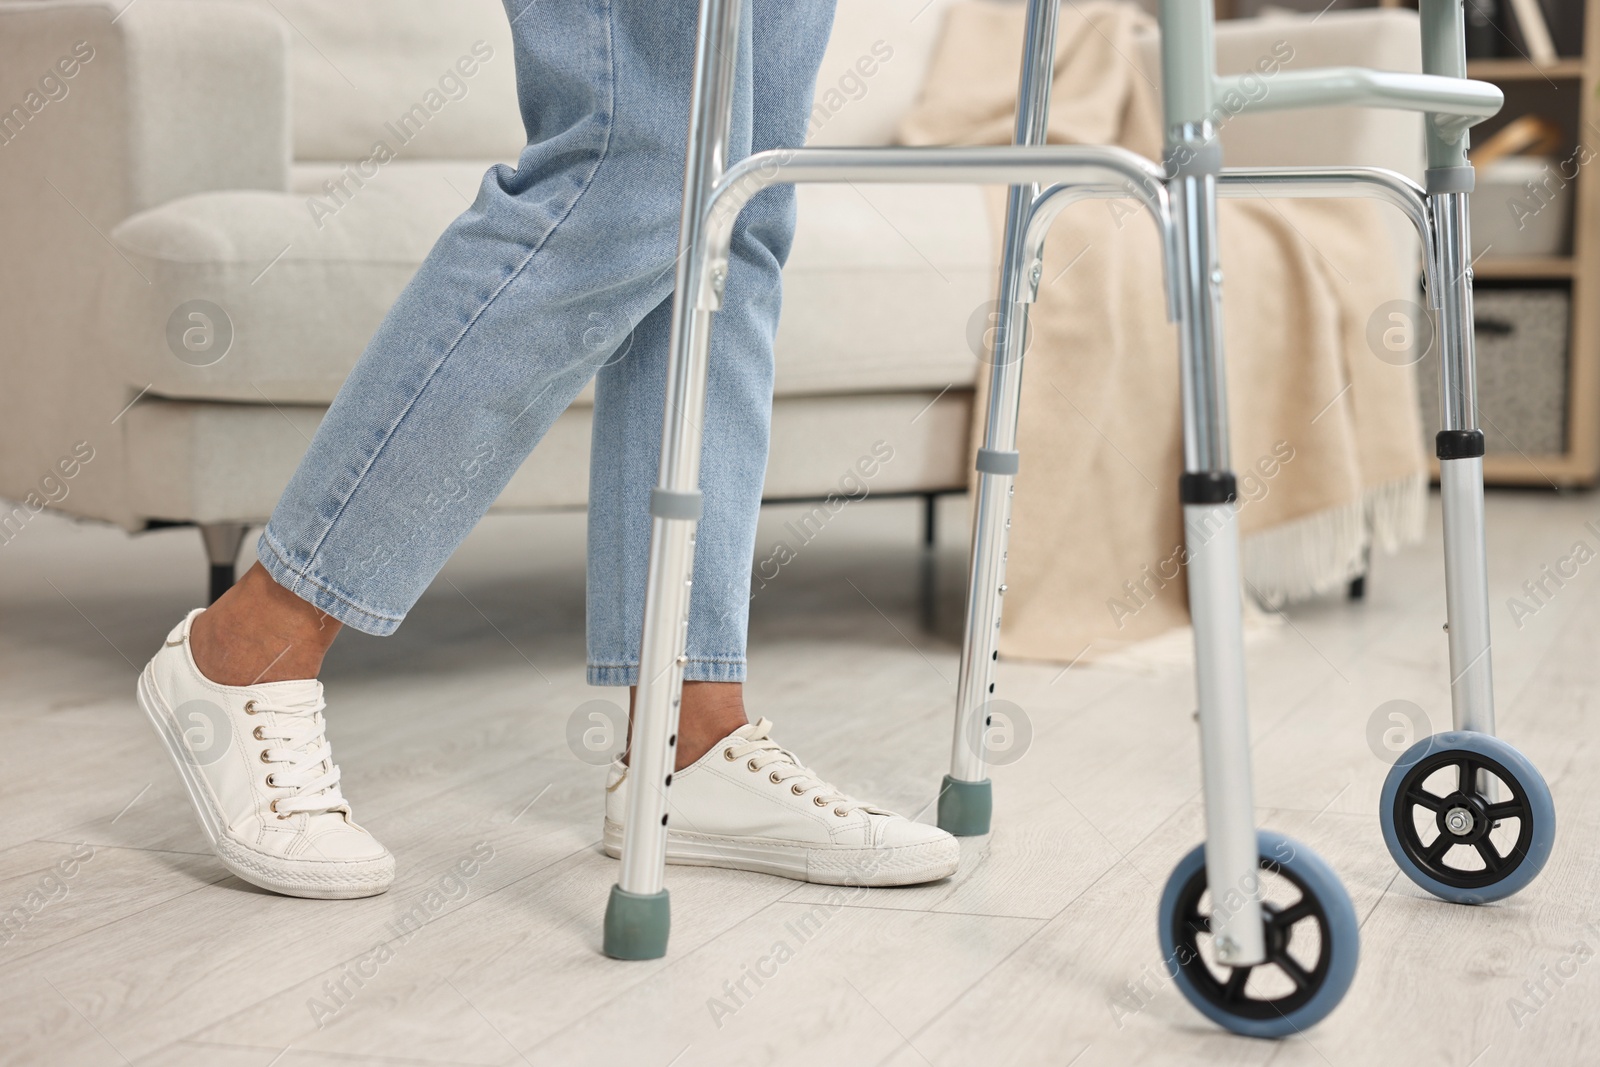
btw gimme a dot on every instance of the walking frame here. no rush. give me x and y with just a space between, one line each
1180 198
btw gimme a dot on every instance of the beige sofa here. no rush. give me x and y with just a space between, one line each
195 241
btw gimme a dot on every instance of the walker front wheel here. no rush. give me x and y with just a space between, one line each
1311 935
1467 817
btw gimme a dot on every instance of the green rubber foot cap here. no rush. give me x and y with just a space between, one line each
637 925
965 807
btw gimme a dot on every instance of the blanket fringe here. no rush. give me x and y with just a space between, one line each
1322 552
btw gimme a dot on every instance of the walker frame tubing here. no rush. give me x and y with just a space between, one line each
1182 199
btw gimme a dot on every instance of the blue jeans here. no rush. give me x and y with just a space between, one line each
562 271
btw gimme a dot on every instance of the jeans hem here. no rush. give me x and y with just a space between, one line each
696 670
320 593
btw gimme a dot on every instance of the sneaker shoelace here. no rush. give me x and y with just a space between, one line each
302 761
754 744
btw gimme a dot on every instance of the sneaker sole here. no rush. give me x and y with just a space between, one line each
318 879
897 865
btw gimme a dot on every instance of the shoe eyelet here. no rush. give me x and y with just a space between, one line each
250 707
774 779
256 733
818 801
840 812
752 765
796 790
270 783
273 807
727 754
264 758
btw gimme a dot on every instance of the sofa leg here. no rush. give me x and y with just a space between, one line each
1358 584
929 591
222 541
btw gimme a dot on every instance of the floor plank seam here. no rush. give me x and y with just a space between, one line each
330 1053
190 1036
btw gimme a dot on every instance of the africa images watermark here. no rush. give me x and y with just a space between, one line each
1541 589
738 992
1540 194
1141 591
52 488
452 888
1540 990
853 486
1252 87
353 177
52 887
849 86
52 88
452 488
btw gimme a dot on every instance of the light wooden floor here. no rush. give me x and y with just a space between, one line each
1041 951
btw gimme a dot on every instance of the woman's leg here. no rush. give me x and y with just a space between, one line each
520 301
509 317
783 43
737 798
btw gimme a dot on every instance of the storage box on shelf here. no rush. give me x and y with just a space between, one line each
1538 334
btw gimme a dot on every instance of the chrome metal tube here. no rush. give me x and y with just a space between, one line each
1466 590
1204 383
1211 542
1458 387
1108 172
991 513
1050 203
666 604
1372 183
1466 566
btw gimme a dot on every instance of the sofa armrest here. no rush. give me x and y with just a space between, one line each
136 104
102 115
209 93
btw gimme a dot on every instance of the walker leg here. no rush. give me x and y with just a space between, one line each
1459 445
1460 442
1208 491
965 800
1492 787
637 915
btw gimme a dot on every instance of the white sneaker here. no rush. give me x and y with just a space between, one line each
260 773
750 805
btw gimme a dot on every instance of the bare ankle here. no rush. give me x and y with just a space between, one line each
258 631
710 712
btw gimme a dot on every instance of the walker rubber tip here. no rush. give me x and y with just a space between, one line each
637 925
965 807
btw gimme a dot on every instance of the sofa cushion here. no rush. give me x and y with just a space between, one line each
887 288
229 462
300 292
880 289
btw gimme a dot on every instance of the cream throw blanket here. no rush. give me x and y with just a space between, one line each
1325 436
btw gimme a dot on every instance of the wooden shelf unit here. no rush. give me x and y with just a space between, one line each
1579 465
1518 69
1497 267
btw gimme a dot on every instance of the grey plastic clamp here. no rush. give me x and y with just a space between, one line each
993 461
669 504
1194 158
1448 179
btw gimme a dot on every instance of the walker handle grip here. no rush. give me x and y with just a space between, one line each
1453 104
